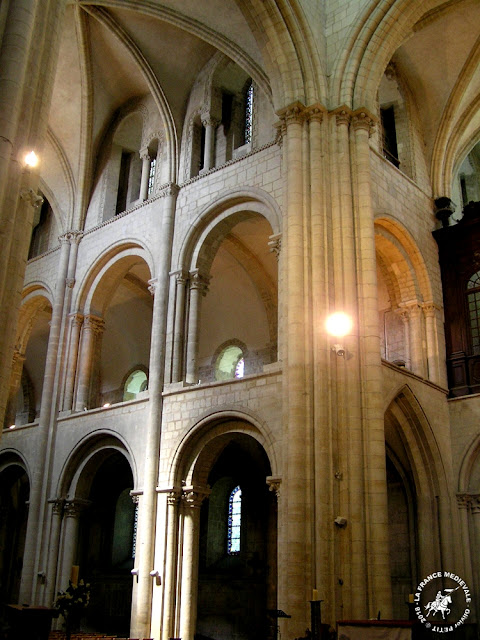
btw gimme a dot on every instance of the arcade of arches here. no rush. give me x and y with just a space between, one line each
213 181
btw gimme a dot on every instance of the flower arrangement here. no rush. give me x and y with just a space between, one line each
71 602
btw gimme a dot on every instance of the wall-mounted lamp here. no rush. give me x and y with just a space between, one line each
339 324
340 522
134 572
43 576
31 159
156 575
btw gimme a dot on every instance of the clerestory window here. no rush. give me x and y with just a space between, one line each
234 521
151 176
248 113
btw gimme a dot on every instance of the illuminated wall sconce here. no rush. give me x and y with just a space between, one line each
31 159
156 575
339 324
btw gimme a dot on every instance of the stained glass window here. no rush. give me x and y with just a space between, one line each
473 302
151 175
249 113
240 368
234 521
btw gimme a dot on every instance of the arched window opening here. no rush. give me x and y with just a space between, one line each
44 234
234 521
151 176
473 303
389 135
469 178
230 363
248 131
135 384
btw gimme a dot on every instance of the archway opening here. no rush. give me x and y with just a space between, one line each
14 494
106 546
237 563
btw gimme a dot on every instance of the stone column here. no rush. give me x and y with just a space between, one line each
210 125
430 311
464 502
372 421
15 382
56 507
192 501
171 555
198 288
141 607
294 585
416 336
28 55
73 510
75 325
145 173
179 326
46 429
403 313
475 510
92 328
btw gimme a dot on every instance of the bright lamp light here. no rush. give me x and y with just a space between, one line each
339 324
31 159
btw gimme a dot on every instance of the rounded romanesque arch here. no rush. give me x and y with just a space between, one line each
14 496
407 308
111 328
226 577
95 525
226 276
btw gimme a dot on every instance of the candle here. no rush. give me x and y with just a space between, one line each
315 594
74 575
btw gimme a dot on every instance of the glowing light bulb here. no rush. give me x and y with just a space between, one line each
339 324
31 159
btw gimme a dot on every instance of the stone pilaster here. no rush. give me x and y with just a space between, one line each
294 574
141 610
56 515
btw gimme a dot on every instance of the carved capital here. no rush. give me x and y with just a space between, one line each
76 319
181 277
69 283
274 483
152 285
94 324
316 112
430 309
363 119
57 506
194 496
475 504
73 508
295 113
275 244
144 154
199 282
169 189
343 115
209 121
31 197
72 237
463 500
173 498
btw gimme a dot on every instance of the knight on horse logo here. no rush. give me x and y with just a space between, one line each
441 602
453 609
